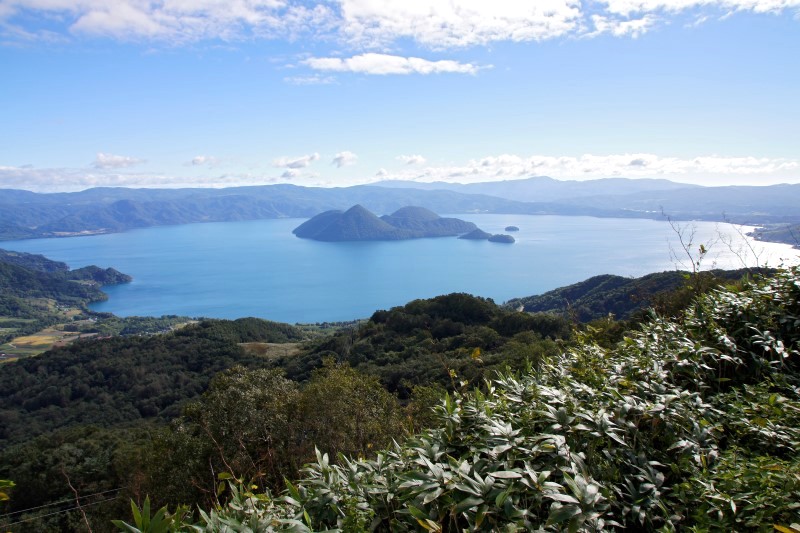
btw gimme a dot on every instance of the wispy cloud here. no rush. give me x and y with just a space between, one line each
344 159
447 23
175 21
704 170
621 28
627 7
204 160
103 160
412 159
356 24
314 79
295 162
383 64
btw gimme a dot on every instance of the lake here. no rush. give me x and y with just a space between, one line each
258 268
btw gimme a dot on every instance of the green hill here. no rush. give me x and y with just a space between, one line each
425 341
601 296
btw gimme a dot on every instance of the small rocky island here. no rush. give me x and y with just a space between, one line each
512 228
359 224
480 235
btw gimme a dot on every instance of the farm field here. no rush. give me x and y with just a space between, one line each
270 350
37 343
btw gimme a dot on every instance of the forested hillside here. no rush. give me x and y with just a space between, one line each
547 424
36 292
685 425
601 296
785 233
170 411
427 342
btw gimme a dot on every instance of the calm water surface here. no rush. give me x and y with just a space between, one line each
258 268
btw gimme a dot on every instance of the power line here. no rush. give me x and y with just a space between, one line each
58 512
60 502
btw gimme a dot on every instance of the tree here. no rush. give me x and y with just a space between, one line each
344 411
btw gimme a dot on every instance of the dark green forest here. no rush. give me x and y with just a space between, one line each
446 414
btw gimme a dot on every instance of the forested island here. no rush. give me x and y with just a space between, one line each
480 235
360 224
668 401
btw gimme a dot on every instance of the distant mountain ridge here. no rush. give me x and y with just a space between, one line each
546 189
25 214
360 224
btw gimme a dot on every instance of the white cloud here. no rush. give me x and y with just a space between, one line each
103 160
204 160
177 20
372 63
621 28
310 80
626 7
361 24
412 159
290 174
344 159
457 23
72 179
703 170
295 162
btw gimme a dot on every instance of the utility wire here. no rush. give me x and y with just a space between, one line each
58 512
59 503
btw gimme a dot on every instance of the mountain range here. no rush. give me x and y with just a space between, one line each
25 214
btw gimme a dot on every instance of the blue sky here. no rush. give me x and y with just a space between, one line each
175 93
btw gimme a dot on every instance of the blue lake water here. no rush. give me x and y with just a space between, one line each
258 268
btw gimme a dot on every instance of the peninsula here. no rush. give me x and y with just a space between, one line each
360 224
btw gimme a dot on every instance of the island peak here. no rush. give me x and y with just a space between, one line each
360 224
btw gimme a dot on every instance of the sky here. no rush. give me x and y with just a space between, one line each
216 93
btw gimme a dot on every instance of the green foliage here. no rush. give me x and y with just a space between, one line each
32 261
5 485
109 381
428 342
243 425
100 464
244 330
689 424
161 522
627 298
256 424
51 407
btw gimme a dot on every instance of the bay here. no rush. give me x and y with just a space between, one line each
259 268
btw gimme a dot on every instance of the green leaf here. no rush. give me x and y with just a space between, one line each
416 513
506 474
468 503
562 514
432 496
564 498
